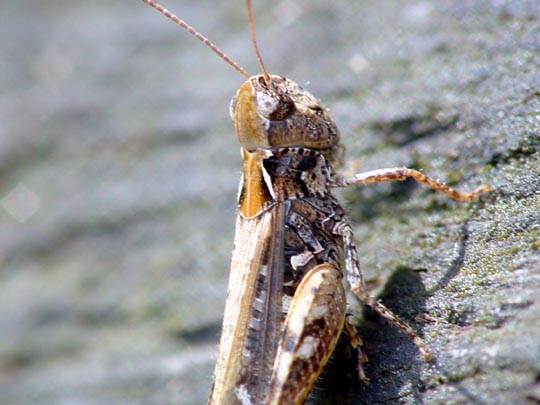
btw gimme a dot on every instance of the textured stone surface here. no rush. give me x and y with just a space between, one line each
119 167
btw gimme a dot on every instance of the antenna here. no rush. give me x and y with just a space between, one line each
205 40
254 39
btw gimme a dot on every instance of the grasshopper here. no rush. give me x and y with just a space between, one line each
286 304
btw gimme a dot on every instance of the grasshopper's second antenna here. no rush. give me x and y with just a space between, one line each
254 39
198 35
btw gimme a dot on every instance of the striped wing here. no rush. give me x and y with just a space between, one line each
253 310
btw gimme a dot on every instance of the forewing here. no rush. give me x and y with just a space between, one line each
253 316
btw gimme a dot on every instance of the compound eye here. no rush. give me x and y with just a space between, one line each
274 106
284 110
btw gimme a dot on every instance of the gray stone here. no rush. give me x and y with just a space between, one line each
115 127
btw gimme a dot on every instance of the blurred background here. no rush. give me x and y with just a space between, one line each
119 165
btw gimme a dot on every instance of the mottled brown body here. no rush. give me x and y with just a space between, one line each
297 303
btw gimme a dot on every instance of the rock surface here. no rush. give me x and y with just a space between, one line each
119 167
